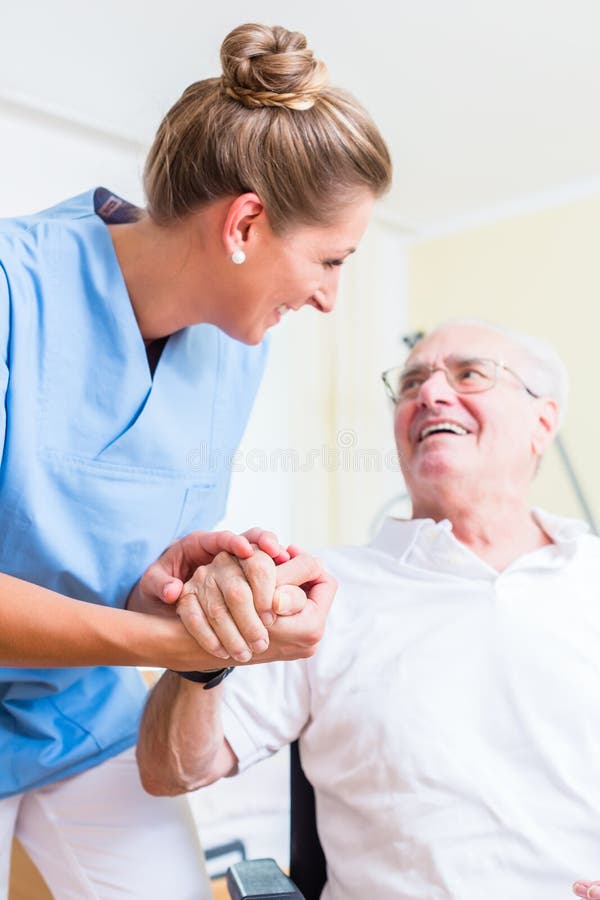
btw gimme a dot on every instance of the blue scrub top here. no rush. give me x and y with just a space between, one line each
102 464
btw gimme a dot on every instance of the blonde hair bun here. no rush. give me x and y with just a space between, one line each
271 66
240 132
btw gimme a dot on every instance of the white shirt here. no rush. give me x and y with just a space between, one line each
450 719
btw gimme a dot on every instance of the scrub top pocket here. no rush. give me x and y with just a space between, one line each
114 520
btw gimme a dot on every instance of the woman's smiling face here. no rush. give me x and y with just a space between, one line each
285 272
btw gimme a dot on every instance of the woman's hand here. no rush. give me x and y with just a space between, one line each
297 636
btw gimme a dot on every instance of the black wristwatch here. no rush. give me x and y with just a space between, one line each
209 679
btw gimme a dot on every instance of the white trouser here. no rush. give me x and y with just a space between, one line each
99 836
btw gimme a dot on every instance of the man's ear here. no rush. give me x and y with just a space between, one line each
546 425
241 218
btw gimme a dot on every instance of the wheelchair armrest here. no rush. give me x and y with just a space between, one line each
260 879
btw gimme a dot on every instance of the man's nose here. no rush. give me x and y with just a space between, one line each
436 389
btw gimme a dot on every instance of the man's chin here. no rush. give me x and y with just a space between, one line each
439 467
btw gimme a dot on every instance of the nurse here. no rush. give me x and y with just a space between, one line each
128 338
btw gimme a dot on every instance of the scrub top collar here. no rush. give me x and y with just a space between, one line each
112 209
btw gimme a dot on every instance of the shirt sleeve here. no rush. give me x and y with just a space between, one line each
265 707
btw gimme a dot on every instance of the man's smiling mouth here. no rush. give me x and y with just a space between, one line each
442 427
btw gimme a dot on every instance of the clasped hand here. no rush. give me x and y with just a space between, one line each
240 596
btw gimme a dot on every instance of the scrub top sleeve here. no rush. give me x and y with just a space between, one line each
4 332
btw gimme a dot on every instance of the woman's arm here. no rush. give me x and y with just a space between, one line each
40 628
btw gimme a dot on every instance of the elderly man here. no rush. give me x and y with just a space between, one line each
449 719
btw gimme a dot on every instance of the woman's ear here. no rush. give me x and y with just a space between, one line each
241 217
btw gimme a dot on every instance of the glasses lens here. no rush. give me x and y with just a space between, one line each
469 376
466 376
409 381
402 384
390 379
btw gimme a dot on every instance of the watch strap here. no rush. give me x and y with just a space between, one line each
209 679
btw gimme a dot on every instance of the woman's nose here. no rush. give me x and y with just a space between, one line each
324 300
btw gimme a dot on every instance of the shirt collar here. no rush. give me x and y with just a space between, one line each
561 529
397 536
425 543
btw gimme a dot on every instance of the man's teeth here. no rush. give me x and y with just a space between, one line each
442 426
283 309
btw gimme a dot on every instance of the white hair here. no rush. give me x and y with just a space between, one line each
547 374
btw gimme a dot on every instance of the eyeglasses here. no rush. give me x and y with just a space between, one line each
465 376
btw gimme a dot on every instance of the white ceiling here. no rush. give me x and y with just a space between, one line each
483 102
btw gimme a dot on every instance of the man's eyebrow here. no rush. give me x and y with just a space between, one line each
415 366
418 364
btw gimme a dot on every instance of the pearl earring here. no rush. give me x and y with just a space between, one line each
238 257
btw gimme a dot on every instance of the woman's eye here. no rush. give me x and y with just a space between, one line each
331 263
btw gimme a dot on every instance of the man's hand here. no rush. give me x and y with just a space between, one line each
587 889
162 582
229 604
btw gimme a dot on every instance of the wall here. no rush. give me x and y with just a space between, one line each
46 157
